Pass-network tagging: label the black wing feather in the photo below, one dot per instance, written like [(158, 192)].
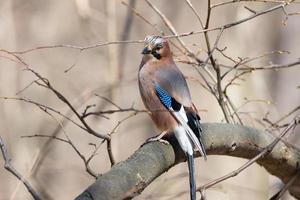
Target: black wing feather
[(194, 124)]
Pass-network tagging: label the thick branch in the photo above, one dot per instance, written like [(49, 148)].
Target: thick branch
[(127, 179)]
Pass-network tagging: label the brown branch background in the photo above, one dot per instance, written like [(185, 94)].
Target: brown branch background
[(70, 106)]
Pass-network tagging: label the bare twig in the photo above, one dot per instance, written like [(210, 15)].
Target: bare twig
[(230, 25), (168, 24), (110, 153), (250, 10), (273, 67), (235, 1), (279, 194), (74, 63), (108, 100), (195, 12), (9, 167), (112, 111), (244, 61), (220, 96), (44, 108), (288, 114), (80, 48), (109, 148), (68, 141), (141, 16), (26, 87), (46, 84)]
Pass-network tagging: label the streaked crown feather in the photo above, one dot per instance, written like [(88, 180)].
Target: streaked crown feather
[(154, 40)]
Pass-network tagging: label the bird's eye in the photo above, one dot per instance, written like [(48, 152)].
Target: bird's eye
[(158, 47)]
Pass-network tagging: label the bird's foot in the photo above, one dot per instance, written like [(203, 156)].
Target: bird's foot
[(158, 138)]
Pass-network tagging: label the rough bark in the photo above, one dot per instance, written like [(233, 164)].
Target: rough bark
[(128, 178)]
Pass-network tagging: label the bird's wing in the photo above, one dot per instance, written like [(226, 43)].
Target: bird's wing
[(182, 119), (171, 80), (179, 113)]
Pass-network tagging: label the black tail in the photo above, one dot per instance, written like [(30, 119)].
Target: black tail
[(192, 179), (194, 124)]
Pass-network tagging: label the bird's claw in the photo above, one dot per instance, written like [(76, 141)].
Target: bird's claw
[(158, 138)]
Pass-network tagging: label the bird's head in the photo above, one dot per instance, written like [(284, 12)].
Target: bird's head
[(157, 47)]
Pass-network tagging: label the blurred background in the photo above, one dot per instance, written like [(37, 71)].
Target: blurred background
[(110, 71)]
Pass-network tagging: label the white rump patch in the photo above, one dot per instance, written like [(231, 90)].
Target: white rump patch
[(183, 140)]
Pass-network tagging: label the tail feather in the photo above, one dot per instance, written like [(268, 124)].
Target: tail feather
[(192, 179)]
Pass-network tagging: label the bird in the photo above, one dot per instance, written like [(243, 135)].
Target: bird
[(165, 93)]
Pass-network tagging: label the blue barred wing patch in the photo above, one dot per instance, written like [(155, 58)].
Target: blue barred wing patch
[(163, 96)]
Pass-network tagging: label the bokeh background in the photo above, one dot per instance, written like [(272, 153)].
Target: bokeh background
[(53, 167)]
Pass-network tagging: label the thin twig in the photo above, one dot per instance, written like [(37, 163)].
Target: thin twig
[(154, 26), (235, 1), (108, 100), (9, 167), (195, 12), (112, 111), (80, 48), (210, 52), (46, 84), (110, 153), (168, 24), (273, 67), (140, 16), (288, 114), (68, 141), (220, 96), (114, 130), (280, 193), (26, 87), (44, 108)]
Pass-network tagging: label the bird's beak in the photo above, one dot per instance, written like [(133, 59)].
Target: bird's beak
[(146, 50)]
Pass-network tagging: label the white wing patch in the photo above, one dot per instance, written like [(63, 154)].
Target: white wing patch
[(182, 113), (181, 117)]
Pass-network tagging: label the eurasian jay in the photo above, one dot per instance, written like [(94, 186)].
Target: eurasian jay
[(166, 95)]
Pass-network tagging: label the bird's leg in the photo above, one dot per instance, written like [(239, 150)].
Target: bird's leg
[(158, 138)]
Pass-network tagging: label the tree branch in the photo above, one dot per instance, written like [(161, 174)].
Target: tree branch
[(9, 167), (129, 178)]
